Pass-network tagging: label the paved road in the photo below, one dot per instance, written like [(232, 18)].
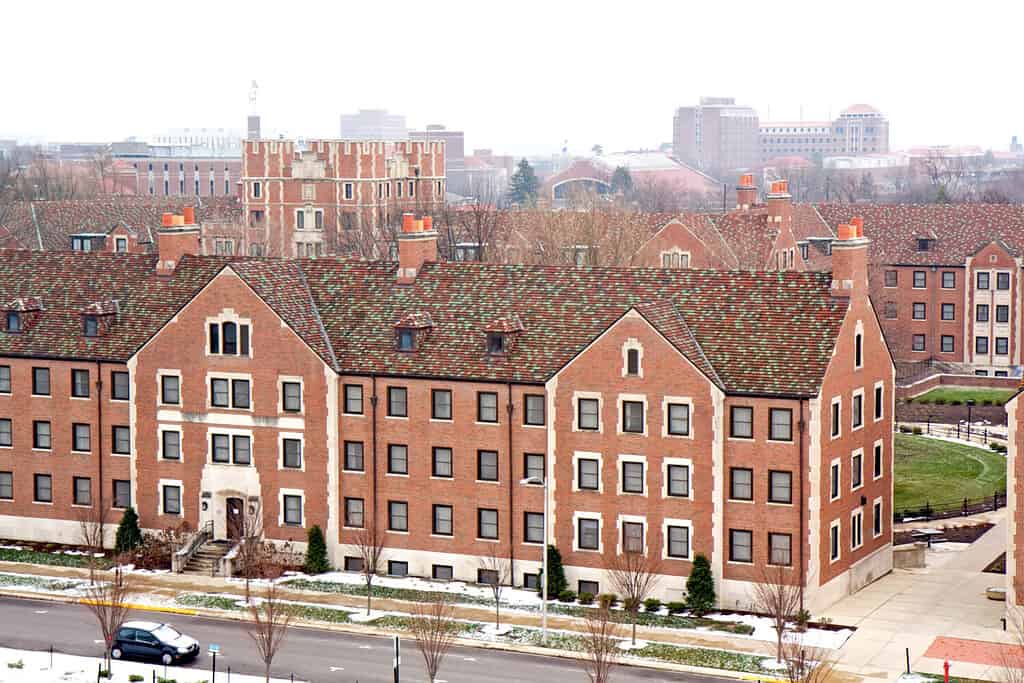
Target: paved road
[(310, 654)]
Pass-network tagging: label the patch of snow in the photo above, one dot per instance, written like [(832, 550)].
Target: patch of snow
[(11, 547), (764, 630), (362, 617), (629, 645), (773, 664), (492, 630)]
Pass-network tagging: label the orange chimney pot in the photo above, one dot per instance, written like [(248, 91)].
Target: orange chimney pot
[(428, 223), (168, 220), (408, 222), (189, 215)]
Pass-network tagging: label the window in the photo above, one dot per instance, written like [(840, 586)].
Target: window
[(291, 453), (981, 344), (592, 587), (948, 279), (354, 513), (292, 509), (588, 534), (920, 279), (678, 419), (632, 477), (533, 409), (398, 459), (919, 311), (406, 339), (442, 462), (122, 493), (170, 444), (119, 386), (533, 527), (241, 450), (80, 438), (981, 313), (741, 483), (90, 326), (171, 500), (496, 343), (834, 482), (229, 339), (221, 444), (240, 393), (879, 403), (741, 545), (398, 515), (780, 549), (949, 311), (588, 474), (40, 381), (741, 422), (442, 520), (6, 486), (291, 397), (633, 362), (348, 190), (441, 404), (858, 410), (983, 280), (678, 542), (833, 538), (877, 469), (678, 480), (1002, 281), (257, 190), (13, 322), (487, 465), (5, 379), (588, 413), (80, 383), (917, 343), (857, 530), (354, 456), (6, 432), (876, 518), (170, 389), (533, 466), (353, 564), (486, 406), (1002, 313), (632, 537), (1002, 346), (42, 490), (41, 435), (781, 424), (487, 523), (82, 490), (398, 402), (947, 343), (780, 487), (857, 471), (300, 219), (398, 568), (891, 310), (354, 399), (892, 278), (219, 394), (442, 572), (633, 417)]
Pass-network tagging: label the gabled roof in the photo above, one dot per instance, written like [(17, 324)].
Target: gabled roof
[(666, 318)]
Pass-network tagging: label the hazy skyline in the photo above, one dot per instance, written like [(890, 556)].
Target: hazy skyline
[(520, 79)]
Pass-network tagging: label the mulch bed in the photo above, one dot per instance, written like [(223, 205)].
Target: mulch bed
[(968, 533), (997, 566)]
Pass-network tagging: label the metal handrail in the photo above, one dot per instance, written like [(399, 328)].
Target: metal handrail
[(185, 554)]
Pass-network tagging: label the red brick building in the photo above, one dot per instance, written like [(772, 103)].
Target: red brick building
[(743, 415)]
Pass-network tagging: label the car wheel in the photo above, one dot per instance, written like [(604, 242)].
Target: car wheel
[(116, 653), (166, 659)]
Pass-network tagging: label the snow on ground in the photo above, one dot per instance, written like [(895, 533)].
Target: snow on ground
[(36, 668), (812, 637)]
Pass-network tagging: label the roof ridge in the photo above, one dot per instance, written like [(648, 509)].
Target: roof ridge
[(316, 314)]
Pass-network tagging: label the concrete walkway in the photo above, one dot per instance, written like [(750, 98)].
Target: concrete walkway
[(910, 608)]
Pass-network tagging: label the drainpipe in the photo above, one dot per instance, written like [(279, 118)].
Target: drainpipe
[(99, 436), (511, 486), (373, 455), (803, 499)]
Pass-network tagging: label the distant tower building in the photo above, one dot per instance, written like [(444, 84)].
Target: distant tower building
[(1015, 146), (454, 154), (373, 124), (253, 123), (716, 136)]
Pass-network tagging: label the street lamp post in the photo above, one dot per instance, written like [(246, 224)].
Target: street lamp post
[(970, 404), (544, 559)]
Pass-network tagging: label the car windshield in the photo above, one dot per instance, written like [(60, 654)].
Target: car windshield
[(166, 633)]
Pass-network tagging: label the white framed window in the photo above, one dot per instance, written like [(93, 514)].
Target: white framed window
[(290, 395), (587, 467), (835, 550), (291, 447), (228, 446), (632, 359), (291, 508), (857, 469), (228, 334), (676, 478), (835, 479), (632, 414), (172, 493), (677, 417), (857, 528), (170, 443), (587, 532), (229, 391), (857, 410), (587, 411), (877, 521), (678, 537), (632, 475), (169, 387)]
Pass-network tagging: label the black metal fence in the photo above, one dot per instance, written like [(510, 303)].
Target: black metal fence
[(948, 509)]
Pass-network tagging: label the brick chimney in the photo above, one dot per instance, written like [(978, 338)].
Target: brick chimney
[(850, 260), (417, 244), (746, 192), (177, 236), (780, 203)]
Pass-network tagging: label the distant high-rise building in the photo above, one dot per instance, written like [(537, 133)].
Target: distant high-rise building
[(716, 136), (373, 124), (859, 129), (454, 154)]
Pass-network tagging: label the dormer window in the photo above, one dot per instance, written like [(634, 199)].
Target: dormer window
[(229, 338), (13, 322), (411, 330), (406, 339), (90, 325), (20, 314), (495, 342), (502, 334), (923, 244), (99, 317)]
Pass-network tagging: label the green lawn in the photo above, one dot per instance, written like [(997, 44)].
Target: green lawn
[(979, 394), (940, 473)]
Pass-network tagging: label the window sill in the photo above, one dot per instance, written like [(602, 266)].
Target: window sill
[(80, 398), (584, 430), (437, 477), (670, 435), (779, 504), (43, 396), (639, 494), (395, 531), (42, 502), (396, 417), (353, 528), (740, 500), (74, 452), (741, 563), (353, 414), (543, 426), (120, 455), (488, 481), (487, 424), (587, 550), (678, 558), (353, 471), (42, 450), (441, 420), (397, 474), (442, 536), (677, 496), (748, 439), (533, 544)]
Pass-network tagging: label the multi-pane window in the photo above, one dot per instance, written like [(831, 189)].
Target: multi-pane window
[(442, 524), (13, 322), (780, 549), (291, 453), (441, 404), (678, 542), (533, 409), (6, 486), (891, 310), (1002, 346), (892, 278), (947, 343), (170, 445), (291, 397), (919, 310), (741, 483), (442, 462), (354, 512), (632, 477), (857, 529), (170, 389), (120, 387), (948, 279), (678, 419), (354, 399), (41, 434), (633, 416), (876, 518), (486, 406), (229, 339), (588, 534), (82, 490), (877, 469), (241, 450), (42, 488), (949, 311), (6, 432), (833, 541), (239, 393), (533, 466), (983, 280), (1002, 313), (81, 437), (5, 379), (1002, 281), (834, 481), (836, 418), (741, 545), (587, 409), (533, 527), (226, 393), (80, 383), (981, 344), (920, 279), (678, 480), (858, 410), (857, 471), (486, 523), (780, 424), (588, 474), (292, 509), (171, 499), (354, 456), (398, 568), (90, 326), (741, 422), (122, 493), (40, 381), (981, 313), (780, 487), (398, 402), (632, 537), (918, 343), (398, 459), (487, 465)]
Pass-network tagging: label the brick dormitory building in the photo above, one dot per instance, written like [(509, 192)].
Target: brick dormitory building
[(743, 415)]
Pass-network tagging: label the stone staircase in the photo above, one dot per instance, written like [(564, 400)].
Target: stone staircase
[(206, 560)]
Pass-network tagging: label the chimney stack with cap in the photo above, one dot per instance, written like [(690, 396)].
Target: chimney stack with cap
[(850, 260), (177, 236), (417, 244), (780, 203), (746, 192)]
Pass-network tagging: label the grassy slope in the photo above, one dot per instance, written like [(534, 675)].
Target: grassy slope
[(942, 472), (979, 394)]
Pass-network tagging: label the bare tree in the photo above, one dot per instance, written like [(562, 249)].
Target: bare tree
[(806, 664), (253, 554), (433, 627), (601, 644), (633, 573), (776, 595), (1011, 662), (271, 619), (496, 571), (92, 523), (108, 601), (369, 546)]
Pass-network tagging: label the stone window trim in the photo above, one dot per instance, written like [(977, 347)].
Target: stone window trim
[(837, 465), (639, 459), (296, 436), (577, 515), (836, 404), (877, 505), (853, 459), (620, 523), (620, 417), (878, 444), (293, 379), (165, 372), (586, 455), (878, 415), (231, 378), (669, 522), (682, 462), (676, 400), (228, 315), (160, 429), (280, 507), (161, 485), (856, 518), (835, 525), (230, 432), (633, 344), (576, 396), (853, 413)]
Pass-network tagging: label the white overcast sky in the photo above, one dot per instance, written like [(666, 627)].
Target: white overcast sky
[(519, 76)]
